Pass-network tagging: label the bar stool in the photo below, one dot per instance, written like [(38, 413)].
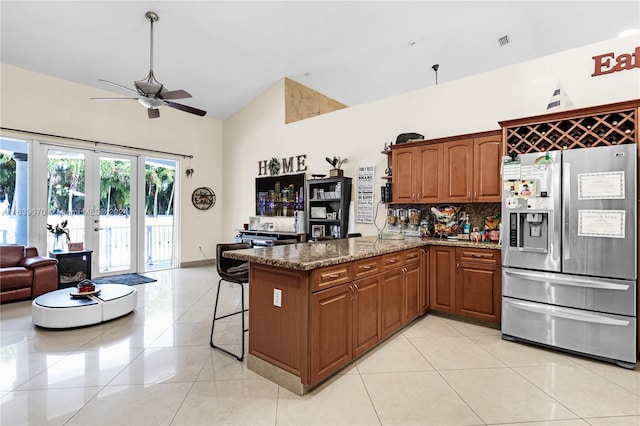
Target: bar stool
[(235, 272)]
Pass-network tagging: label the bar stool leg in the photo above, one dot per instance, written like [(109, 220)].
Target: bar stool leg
[(244, 330), (215, 313), (241, 312)]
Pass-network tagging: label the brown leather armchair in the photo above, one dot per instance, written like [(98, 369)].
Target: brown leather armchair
[(24, 274)]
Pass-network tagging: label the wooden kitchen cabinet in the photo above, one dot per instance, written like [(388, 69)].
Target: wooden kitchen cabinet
[(391, 294), (458, 171), (332, 330), (345, 323), (417, 174), (412, 306), (400, 291), (424, 283), (430, 164), (487, 158), (442, 275), (466, 282), (472, 170), (404, 175), (478, 287), (449, 170), (366, 314)]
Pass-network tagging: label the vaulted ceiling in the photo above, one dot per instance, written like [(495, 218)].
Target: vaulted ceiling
[(225, 53)]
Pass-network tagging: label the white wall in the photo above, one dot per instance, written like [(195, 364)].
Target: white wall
[(473, 104), (40, 103)]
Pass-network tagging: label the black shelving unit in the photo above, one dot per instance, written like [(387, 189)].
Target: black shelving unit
[(328, 206)]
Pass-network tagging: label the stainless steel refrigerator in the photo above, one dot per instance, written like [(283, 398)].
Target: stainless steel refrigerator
[(569, 251)]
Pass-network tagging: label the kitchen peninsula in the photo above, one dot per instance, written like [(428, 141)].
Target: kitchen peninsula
[(315, 307)]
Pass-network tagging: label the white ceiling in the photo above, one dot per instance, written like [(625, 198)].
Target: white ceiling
[(225, 53)]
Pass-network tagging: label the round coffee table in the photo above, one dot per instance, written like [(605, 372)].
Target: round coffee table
[(58, 309)]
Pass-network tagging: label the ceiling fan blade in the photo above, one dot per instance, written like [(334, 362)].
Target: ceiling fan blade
[(174, 94), (153, 112), (114, 99), (118, 85), (185, 108)]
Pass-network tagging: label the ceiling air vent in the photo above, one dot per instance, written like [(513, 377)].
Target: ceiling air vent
[(504, 40)]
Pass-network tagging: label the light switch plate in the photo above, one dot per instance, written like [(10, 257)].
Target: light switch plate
[(277, 297)]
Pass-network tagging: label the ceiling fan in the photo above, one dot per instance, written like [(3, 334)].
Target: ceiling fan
[(150, 92)]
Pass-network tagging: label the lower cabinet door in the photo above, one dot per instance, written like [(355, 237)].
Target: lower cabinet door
[(391, 295), (479, 291), (366, 314), (332, 331), (442, 277), (412, 305)]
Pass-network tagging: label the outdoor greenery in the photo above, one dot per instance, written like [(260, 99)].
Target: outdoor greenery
[(7, 177), (66, 186)]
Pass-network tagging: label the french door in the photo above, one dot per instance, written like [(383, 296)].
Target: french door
[(96, 193)]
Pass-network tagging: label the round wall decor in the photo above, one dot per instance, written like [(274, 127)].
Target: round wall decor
[(203, 198)]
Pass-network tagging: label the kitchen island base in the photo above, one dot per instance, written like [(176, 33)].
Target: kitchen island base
[(317, 307), (277, 375)]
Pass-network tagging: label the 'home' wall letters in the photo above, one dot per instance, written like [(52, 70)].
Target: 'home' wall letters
[(287, 165)]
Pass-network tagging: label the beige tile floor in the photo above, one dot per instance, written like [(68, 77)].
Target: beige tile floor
[(155, 367)]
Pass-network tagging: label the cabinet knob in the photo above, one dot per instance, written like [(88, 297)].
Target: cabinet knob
[(334, 275), (367, 267)]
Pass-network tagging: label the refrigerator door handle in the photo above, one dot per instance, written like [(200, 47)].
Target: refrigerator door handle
[(566, 197), (569, 281), (555, 311)]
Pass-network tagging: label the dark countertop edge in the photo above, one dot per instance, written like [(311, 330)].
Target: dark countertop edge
[(262, 259)]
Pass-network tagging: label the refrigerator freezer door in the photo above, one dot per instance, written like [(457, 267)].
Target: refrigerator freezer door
[(599, 211), (574, 291), (592, 333)]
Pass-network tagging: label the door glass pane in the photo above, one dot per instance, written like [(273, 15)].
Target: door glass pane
[(159, 202), (115, 214), (14, 181), (65, 195)]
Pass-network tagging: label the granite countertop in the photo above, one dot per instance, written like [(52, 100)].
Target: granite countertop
[(307, 256)]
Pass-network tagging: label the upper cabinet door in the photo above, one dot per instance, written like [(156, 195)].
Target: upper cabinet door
[(404, 175), (458, 171), (487, 157), (430, 174)]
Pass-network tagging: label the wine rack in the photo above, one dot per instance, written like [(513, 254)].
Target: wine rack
[(587, 128)]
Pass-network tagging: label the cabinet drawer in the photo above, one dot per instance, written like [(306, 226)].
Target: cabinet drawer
[(330, 276), (412, 255), (392, 260), (477, 255), (366, 267)]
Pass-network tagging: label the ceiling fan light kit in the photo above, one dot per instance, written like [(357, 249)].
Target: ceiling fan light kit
[(150, 92)]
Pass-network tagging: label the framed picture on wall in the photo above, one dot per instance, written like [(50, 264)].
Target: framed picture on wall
[(317, 230)]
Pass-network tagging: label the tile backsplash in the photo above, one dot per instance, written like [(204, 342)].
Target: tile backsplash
[(477, 212)]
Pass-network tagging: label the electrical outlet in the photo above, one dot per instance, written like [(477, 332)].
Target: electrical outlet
[(277, 297)]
